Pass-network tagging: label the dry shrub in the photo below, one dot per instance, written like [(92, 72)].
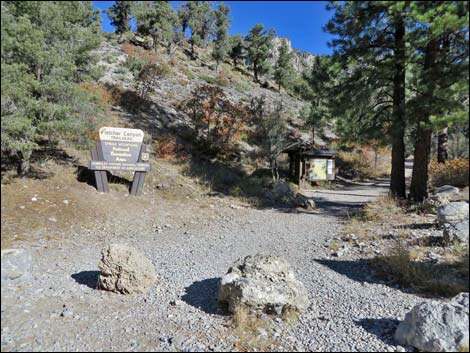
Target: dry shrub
[(248, 327), (223, 79), (453, 172), (149, 77), (385, 209), (218, 121), (104, 96), (364, 163), (401, 266), (167, 148)]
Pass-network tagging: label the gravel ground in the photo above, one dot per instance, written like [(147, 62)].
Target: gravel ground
[(61, 310)]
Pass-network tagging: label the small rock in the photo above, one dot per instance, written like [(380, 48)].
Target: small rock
[(125, 270), (66, 202), (34, 199), (66, 312), (16, 266)]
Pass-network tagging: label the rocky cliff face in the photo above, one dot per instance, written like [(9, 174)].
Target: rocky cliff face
[(302, 60)]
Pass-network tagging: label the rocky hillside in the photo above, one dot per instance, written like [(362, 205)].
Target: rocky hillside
[(183, 76), (302, 60)]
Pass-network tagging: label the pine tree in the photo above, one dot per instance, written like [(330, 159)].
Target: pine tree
[(283, 69), (159, 20), (237, 49), (320, 80), (120, 15), (200, 21), (45, 52), (259, 46), (183, 15), (221, 41), (372, 50), (440, 37)]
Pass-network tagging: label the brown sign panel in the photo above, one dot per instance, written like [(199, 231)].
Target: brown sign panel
[(120, 150), (121, 145)]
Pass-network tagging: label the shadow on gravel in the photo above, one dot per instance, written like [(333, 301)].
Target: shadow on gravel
[(383, 328), (203, 295), (88, 278), (357, 270)]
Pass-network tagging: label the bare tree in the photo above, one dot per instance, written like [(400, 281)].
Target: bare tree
[(272, 128)]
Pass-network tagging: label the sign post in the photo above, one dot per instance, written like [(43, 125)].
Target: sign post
[(120, 149)]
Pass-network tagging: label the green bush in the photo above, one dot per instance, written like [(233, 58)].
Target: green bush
[(41, 71), (121, 70), (135, 64)]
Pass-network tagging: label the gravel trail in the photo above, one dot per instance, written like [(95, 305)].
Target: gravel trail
[(61, 310)]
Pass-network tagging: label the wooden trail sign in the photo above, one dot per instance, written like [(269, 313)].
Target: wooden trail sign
[(120, 149)]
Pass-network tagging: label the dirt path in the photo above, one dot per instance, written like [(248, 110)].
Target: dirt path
[(350, 310)]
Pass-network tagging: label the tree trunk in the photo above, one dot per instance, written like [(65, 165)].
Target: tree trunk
[(255, 71), (397, 182), (442, 146), (422, 153), (313, 136)]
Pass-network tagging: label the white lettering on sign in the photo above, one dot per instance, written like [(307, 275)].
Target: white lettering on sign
[(121, 134)]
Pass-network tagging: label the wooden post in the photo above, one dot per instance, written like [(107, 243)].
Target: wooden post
[(300, 171), (104, 176), (139, 177), (100, 175)]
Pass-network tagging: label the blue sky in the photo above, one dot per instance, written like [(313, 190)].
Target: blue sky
[(300, 21)]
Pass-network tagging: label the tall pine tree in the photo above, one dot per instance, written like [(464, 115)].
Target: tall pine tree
[(283, 69), (120, 16), (159, 20), (221, 40), (237, 49), (372, 49), (440, 40), (259, 46)]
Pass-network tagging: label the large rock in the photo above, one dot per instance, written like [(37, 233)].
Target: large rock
[(262, 283), (16, 266), (436, 326), (456, 233), (281, 192), (125, 270), (453, 213), (447, 190)]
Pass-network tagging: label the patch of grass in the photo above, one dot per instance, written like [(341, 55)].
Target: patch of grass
[(255, 330), (209, 79), (120, 70), (110, 59), (334, 246), (385, 209), (249, 186), (444, 278)]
